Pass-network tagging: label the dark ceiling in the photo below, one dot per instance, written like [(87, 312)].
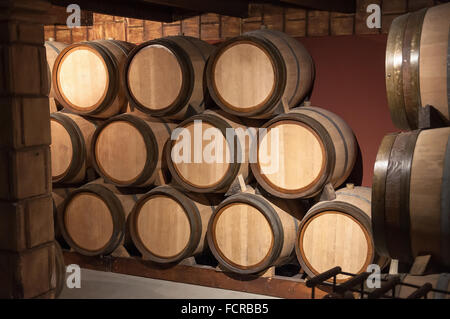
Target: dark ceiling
[(172, 10)]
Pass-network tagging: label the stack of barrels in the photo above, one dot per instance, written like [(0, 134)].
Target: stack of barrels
[(411, 184), (175, 146)]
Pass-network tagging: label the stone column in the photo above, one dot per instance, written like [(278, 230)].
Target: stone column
[(27, 251)]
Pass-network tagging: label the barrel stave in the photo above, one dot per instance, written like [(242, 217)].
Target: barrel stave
[(343, 223)]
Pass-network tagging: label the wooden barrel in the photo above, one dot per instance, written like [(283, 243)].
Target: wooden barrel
[(87, 77), (52, 50), (252, 74), (59, 271), (59, 195), (168, 226), (71, 147), (338, 233), (128, 149), (94, 217), (438, 281), (164, 77), (302, 151), (411, 196), (417, 64), (202, 159), (249, 233)]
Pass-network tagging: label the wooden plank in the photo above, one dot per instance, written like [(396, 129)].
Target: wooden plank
[(295, 14), (318, 23), (79, 34), (231, 27), (93, 263), (273, 17), (135, 34), (171, 29), (115, 30), (277, 286), (152, 30), (394, 6), (209, 31), (342, 25), (191, 27), (63, 35), (296, 28), (99, 18)]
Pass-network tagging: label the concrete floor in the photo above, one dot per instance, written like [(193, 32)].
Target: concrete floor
[(104, 285)]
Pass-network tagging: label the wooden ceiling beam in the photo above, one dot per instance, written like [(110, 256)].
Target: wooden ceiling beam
[(131, 9), (344, 6), (234, 8)]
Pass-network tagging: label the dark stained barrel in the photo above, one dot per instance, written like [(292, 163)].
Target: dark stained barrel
[(417, 64), (411, 196)]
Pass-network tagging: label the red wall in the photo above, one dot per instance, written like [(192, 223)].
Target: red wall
[(350, 82)]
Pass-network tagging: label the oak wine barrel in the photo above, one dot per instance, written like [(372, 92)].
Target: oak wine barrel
[(309, 148), (87, 77), (338, 233), (52, 50), (249, 233), (93, 219), (71, 147), (164, 77), (418, 64), (437, 281), (168, 226), (59, 195), (194, 157), (411, 196), (128, 150), (250, 75)]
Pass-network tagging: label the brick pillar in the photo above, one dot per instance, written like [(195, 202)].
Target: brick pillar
[(27, 252)]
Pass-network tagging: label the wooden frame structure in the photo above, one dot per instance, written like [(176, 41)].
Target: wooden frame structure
[(276, 286)]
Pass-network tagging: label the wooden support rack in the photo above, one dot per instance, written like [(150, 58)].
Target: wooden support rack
[(276, 286)]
